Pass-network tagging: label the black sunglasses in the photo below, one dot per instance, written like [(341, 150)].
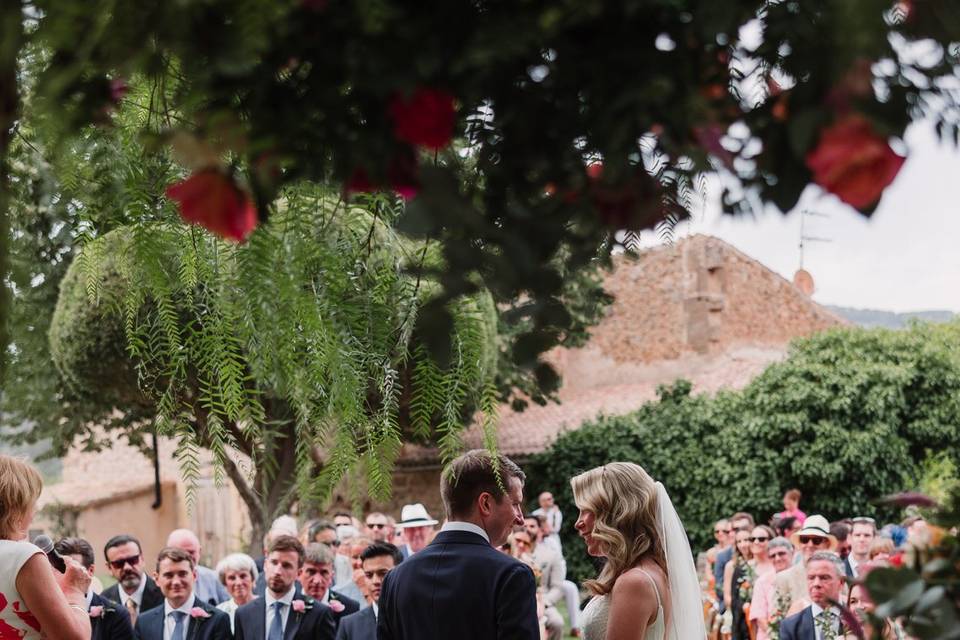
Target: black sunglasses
[(119, 563), (759, 539), (814, 540), (376, 526)]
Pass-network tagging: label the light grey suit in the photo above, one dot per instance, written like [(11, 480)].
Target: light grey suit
[(208, 587), (553, 571)]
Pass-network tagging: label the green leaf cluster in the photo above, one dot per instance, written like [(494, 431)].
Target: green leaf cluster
[(849, 416)]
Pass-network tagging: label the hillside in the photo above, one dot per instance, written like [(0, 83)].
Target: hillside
[(889, 319)]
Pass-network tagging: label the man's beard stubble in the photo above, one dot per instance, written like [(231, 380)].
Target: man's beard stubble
[(130, 581)]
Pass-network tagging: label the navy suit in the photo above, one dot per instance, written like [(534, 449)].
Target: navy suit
[(459, 587), (113, 623), (315, 623), (358, 626), (349, 605), (799, 626), (216, 627), (152, 596)]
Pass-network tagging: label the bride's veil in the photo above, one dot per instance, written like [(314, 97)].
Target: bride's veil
[(686, 621)]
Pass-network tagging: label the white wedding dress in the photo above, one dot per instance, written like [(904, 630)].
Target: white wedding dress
[(597, 612), (687, 603)]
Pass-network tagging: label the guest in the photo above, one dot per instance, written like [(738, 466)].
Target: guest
[(737, 573), (208, 584), (821, 619), (554, 518), (316, 576), (260, 585), (270, 617), (238, 573), (553, 572), (417, 527), (35, 601), (860, 603), (762, 605), (378, 527), (134, 590), (863, 533), (377, 560), (881, 550), (739, 521), (108, 620), (791, 585), (791, 507), (343, 519), (183, 614)]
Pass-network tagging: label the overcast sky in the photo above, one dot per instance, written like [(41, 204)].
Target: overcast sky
[(905, 258)]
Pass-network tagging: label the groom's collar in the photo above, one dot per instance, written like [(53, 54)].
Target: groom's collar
[(469, 527)]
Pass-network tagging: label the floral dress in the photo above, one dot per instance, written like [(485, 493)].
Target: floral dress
[(744, 575)]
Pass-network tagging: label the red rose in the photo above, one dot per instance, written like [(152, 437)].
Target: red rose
[(425, 118), (214, 201), (853, 162)]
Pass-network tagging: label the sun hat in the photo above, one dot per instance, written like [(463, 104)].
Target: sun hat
[(415, 515), (815, 526)]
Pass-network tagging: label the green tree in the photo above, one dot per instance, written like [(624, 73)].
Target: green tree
[(850, 416)]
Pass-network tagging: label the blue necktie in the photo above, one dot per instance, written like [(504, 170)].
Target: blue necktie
[(178, 618), (276, 627)]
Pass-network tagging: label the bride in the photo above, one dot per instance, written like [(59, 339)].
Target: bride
[(648, 588)]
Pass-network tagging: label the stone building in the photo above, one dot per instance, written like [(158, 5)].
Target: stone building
[(699, 310)]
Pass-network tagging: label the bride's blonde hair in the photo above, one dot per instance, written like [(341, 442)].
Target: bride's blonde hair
[(623, 498)]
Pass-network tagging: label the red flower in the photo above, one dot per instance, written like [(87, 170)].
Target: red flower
[(425, 118), (401, 176), (853, 162), (214, 201)]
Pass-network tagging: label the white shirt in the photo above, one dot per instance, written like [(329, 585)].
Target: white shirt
[(815, 609), (169, 621), (854, 565), (136, 596), (287, 599), (376, 611), (465, 526)]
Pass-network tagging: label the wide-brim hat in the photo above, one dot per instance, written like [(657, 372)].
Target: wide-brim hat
[(815, 526), (415, 515)]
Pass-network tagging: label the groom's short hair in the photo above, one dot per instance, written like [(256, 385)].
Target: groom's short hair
[(473, 473)]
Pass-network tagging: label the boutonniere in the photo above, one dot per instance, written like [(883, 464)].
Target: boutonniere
[(335, 605), (96, 612), (301, 606), (199, 612)]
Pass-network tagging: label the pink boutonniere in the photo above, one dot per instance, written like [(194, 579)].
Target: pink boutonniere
[(299, 606), (96, 612), (336, 606), (198, 612)]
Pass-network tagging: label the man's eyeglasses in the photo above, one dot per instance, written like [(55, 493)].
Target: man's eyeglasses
[(723, 530), (374, 525), (759, 539), (120, 563), (814, 540), (332, 543)]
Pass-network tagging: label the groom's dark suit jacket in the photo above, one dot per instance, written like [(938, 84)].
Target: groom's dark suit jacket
[(217, 627), (315, 623), (799, 626), (459, 587)]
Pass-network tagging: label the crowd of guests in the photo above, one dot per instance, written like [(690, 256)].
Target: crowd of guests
[(784, 580)]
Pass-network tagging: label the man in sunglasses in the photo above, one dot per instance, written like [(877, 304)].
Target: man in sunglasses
[(134, 589), (378, 527), (791, 585)]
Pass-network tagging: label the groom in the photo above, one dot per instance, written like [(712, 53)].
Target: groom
[(460, 586)]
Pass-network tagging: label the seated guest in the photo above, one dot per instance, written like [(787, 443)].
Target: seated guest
[(316, 576), (183, 615), (208, 584), (134, 590), (283, 613), (108, 620), (237, 572), (376, 560)]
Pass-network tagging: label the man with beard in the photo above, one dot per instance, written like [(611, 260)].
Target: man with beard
[(283, 613), (108, 620), (135, 590)]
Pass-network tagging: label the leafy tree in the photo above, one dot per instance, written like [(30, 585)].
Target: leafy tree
[(850, 416)]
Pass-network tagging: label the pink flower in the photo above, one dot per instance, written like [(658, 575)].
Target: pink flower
[(96, 612), (299, 606), (425, 118), (198, 612), (336, 606), (214, 201)]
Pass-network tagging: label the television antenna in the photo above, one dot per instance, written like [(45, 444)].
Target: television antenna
[(802, 278)]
